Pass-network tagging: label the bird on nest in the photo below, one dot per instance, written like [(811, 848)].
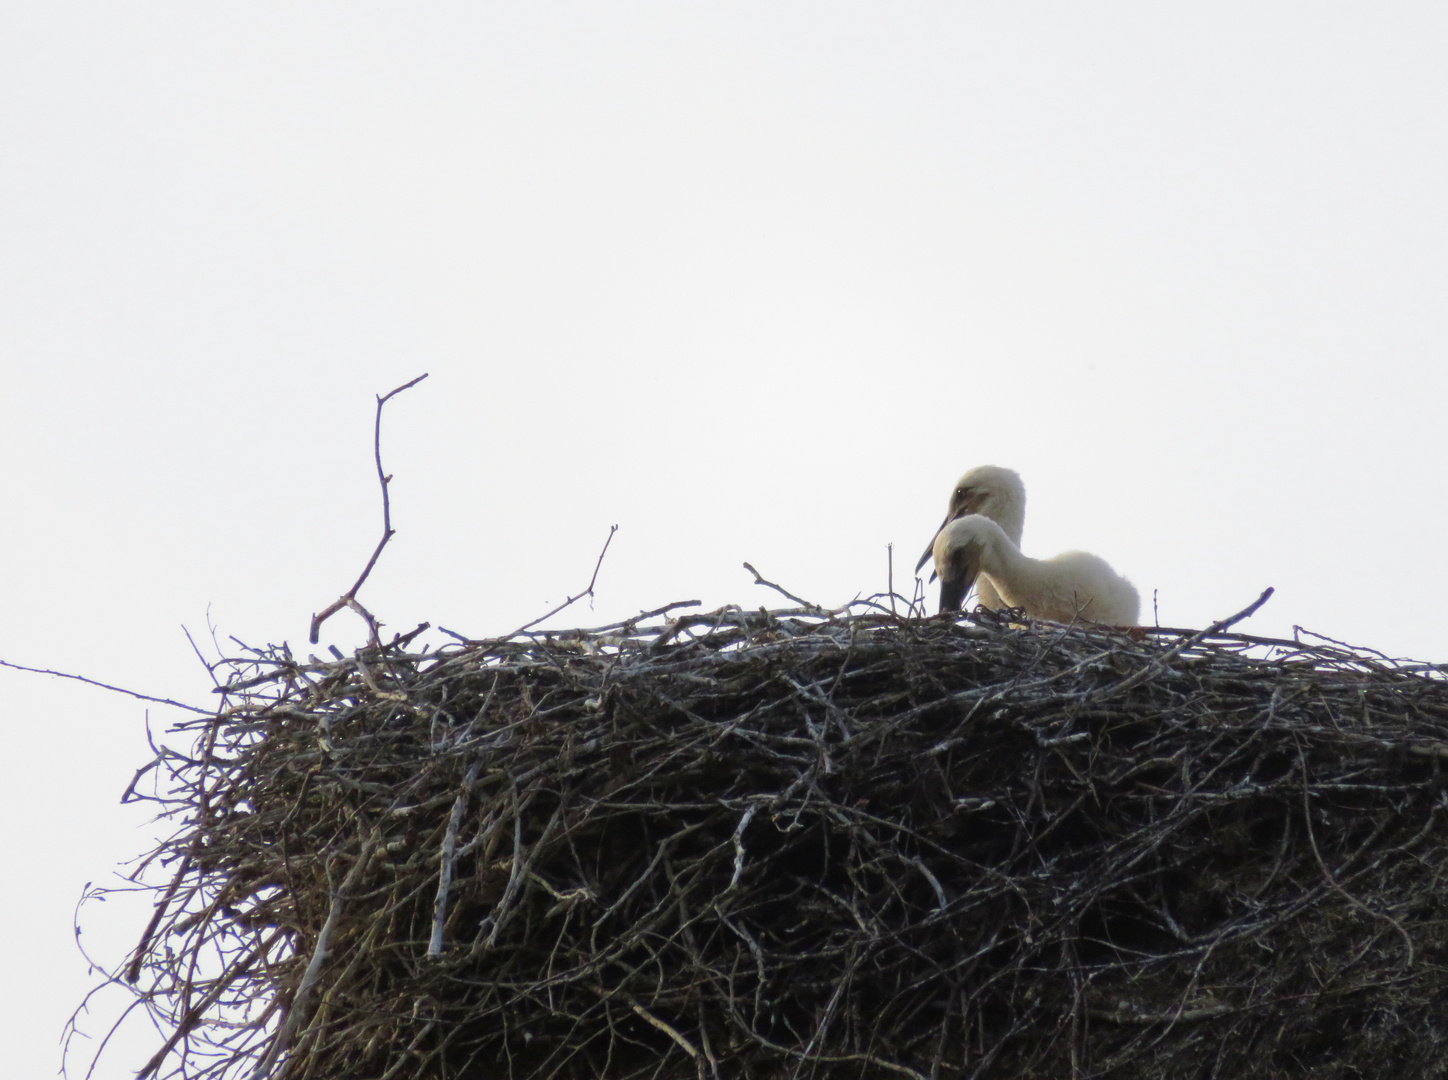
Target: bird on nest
[(979, 544)]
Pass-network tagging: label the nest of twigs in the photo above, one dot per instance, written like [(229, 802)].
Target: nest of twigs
[(804, 844)]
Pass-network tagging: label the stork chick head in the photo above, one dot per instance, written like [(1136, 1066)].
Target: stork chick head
[(990, 491), (958, 549)]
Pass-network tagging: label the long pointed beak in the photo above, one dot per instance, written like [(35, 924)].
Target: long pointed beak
[(930, 548)]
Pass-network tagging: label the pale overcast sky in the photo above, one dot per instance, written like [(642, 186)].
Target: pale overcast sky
[(751, 280)]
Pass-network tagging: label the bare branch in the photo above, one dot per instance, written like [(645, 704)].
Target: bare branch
[(781, 590), (572, 599), (1151, 670), (106, 686), (297, 1008), (349, 598), (449, 849)]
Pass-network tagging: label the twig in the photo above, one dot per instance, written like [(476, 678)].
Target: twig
[(890, 575), (406, 1059), (758, 580), (626, 625), (634, 620), (402, 641), (671, 1032), (515, 867), (160, 757), (1128, 1013), (934, 882), (1154, 668), (209, 669), (1322, 863), (314, 966), (107, 686), (449, 847), (739, 846), (349, 598), (197, 1011), (133, 972), (668, 1029), (572, 599)]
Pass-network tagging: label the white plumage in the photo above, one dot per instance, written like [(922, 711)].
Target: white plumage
[(992, 492), (1067, 588)]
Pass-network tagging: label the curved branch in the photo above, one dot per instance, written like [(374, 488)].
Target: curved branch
[(349, 598)]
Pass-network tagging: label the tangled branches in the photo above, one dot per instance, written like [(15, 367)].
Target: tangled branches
[(796, 843)]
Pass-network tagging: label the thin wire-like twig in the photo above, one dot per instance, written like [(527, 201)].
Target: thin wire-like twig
[(592, 581), (105, 686)]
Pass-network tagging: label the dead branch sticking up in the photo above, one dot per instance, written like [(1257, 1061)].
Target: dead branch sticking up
[(349, 598)]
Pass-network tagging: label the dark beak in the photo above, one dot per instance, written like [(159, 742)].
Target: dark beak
[(952, 593), (957, 576), (930, 548)]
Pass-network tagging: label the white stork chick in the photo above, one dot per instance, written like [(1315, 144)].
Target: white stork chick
[(1071, 587), (992, 492)]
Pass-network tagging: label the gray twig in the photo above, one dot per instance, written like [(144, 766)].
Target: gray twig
[(759, 580), (449, 846), (572, 599)]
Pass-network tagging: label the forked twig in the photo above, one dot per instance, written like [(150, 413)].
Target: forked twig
[(759, 580), (349, 598), (572, 599)]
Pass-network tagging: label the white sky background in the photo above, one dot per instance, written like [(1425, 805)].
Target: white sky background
[(751, 280)]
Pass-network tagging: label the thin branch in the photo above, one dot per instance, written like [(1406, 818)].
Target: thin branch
[(133, 972), (234, 971), (668, 1030), (1154, 668), (1322, 863), (106, 686), (209, 669), (314, 965), (1127, 1013), (349, 598), (626, 625), (572, 599), (890, 574), (449, 850), (1233, 620), (758, 580)]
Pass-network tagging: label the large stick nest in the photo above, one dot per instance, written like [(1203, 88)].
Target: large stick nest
[(754, 844)]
